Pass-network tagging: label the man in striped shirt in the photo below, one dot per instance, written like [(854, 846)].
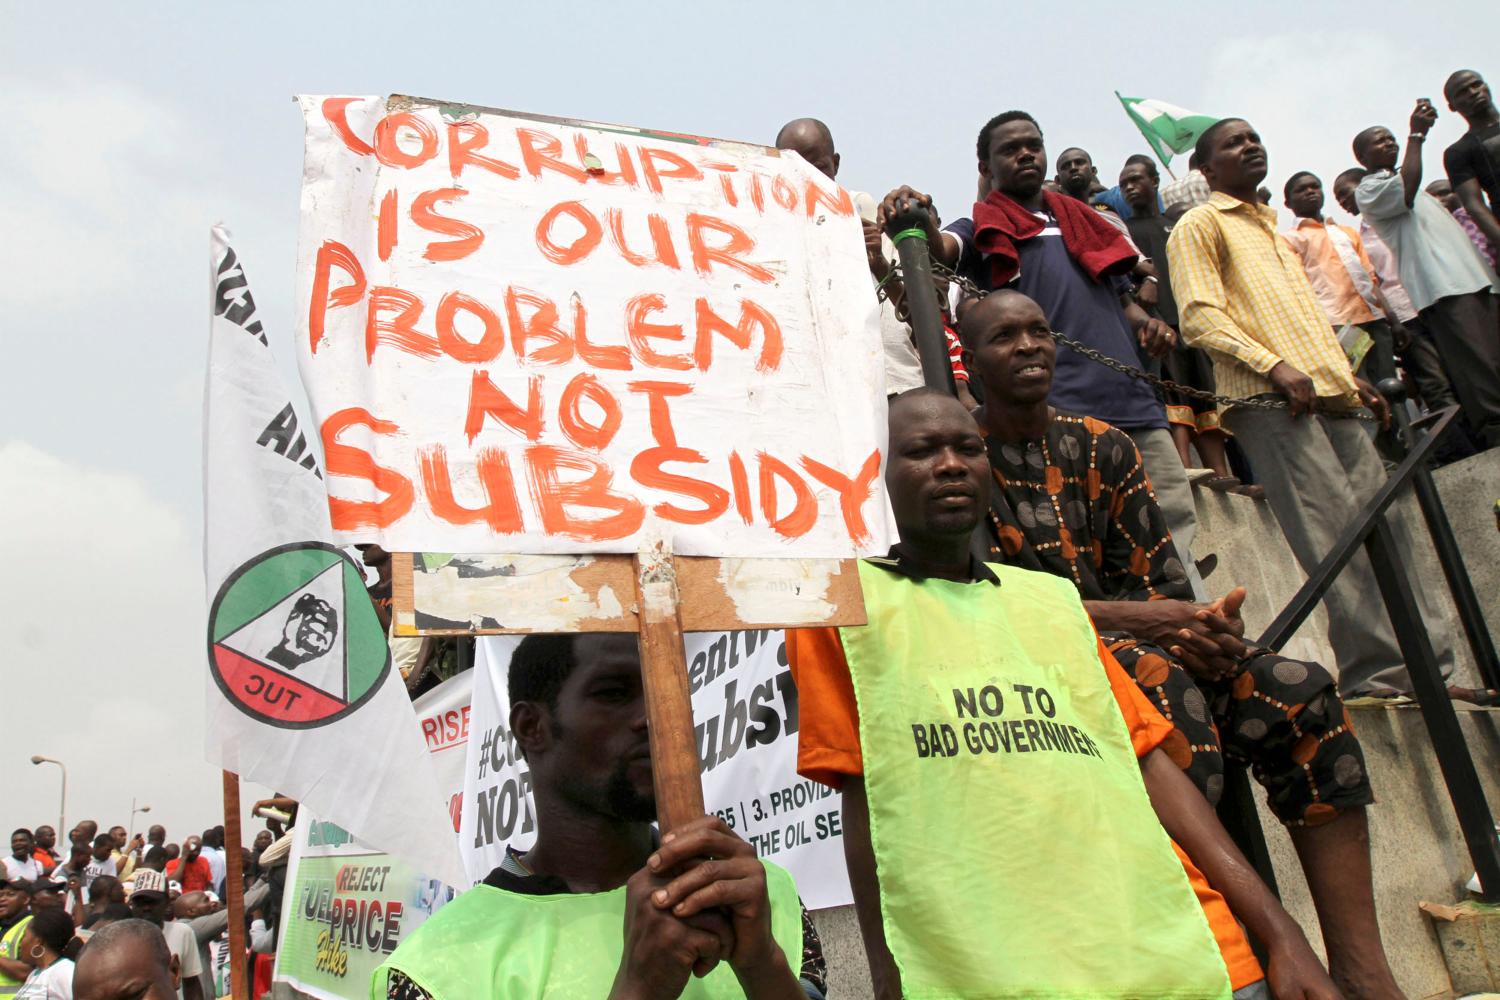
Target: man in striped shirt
[(1243, 296)]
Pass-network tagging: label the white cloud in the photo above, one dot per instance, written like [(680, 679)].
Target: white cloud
[(104, 650), (107, 181)]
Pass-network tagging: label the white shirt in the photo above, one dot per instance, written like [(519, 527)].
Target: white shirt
[(93, 870), (184, 944), (1433, 253), (903, 370), (55, 982), (29, 870), (216, 865), (1386, 270)]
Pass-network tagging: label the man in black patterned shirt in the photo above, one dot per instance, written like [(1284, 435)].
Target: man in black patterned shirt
[(1073, 499)]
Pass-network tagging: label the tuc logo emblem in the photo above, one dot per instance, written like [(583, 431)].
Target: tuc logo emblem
[(293, 639)]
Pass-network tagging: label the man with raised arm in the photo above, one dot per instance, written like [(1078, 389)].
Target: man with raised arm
[(1420, 356), (1008, 815), (597, 907), (1451, 285), (1244, 298)]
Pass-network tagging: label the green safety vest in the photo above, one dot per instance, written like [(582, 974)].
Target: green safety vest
[(498, 945), (1017, 851), (10, 947)]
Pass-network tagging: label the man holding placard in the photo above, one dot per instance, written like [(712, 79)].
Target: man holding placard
[(1047, 872), (597, 907)]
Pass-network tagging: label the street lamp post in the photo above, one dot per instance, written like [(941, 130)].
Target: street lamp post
[(62, 809), (133, 811)]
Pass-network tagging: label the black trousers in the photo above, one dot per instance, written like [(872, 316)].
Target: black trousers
[(1467, 331)]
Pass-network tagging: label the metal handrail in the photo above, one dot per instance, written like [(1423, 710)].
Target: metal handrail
[(1371, 530)]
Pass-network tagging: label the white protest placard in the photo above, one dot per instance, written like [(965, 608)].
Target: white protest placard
[(535, 335), (745, 715)]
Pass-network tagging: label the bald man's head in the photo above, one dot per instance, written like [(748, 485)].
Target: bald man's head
[(126, 959), (1010, 349), (937, 471), (811, 140), (191, 905)]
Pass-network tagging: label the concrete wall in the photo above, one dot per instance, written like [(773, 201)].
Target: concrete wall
[(1418, 851)]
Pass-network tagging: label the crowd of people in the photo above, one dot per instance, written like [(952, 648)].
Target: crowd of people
[(134, 906), (1029, 739)]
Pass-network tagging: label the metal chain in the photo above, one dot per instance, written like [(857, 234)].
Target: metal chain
[(942, 272)]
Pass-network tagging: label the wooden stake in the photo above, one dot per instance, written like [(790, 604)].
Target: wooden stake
[(664, 676), (234, 890)]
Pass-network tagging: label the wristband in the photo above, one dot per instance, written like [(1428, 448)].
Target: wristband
[(1417, 137), (1151, 278)]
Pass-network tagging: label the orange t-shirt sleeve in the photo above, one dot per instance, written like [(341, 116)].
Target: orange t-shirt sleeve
[(1148, 727), (828, 716)]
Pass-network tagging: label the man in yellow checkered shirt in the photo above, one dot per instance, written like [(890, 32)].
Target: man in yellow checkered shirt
[(1243, 296)]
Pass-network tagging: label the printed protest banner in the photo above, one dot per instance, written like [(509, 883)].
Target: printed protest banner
[(346, 906), (443, 720), (745, 715), (528, 335), (300, 692)]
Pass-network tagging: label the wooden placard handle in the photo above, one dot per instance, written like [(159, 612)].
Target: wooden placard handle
[(664, 676), (234, 889)]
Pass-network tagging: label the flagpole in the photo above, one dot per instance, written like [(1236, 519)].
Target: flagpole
[(234, 890)]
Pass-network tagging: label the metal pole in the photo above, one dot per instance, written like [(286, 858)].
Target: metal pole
[(908, 229), (1459, 773), (62, 808), (1449, 557)]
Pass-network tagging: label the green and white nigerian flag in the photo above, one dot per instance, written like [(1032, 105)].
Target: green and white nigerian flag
[(301, 694), (1168, 128)]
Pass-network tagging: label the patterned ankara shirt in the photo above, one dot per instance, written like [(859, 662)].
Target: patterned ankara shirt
[(1243, 296), (1077, 504)]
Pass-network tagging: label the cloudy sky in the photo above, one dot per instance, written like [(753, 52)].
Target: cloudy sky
[(131, 128)]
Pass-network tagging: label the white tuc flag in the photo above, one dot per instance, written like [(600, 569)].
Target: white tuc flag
[(301, 694)]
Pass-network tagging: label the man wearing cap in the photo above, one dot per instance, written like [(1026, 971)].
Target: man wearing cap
[(47, 894), (149, 901)]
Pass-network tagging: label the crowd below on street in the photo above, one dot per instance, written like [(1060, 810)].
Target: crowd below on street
[(166, 900)]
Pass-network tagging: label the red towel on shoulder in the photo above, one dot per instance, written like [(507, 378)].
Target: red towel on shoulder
[(999, 222)]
